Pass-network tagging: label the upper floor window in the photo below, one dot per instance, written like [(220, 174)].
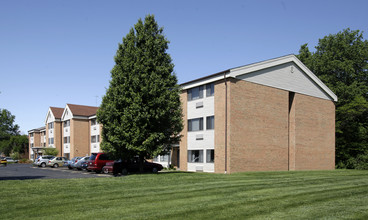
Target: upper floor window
[(210, 89), (51, 125), (195, 124), (210, 122), (67, 140), (93, 121), (31, 135), (195, 93), (66, 123)]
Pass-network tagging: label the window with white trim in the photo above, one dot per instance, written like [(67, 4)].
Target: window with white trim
[(195, 156), (195, 124)]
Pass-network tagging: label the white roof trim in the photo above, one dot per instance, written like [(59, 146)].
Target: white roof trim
[(66, 109), (206, 81), (48, 113)]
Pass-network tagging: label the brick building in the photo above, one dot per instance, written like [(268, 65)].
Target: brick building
[(72, 130), (271, 115)]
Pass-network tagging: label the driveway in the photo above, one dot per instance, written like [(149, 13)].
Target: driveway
[(28, 171)]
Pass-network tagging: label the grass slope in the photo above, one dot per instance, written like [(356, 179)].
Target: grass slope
[(260, 195)]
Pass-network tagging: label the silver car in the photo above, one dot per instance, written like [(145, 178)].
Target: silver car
[(80, 162), (42, 161)]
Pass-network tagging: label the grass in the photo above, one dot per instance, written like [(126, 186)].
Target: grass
[(339, 194)]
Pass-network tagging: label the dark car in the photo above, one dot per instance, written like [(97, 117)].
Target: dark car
[(131, 166), (97, 161)]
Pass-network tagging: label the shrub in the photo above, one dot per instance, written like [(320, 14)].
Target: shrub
[(51, 151)]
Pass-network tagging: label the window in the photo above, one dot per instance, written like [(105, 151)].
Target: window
[(94, 138), (44, 144), (210, 122), (210, 157), (66, 123), (94, 122), (195, 124), (195, 93), (67, 140), (51, 140), (51, 125), (31, 135), (210, 90), (98, 138), (31, 145), (195, 156)]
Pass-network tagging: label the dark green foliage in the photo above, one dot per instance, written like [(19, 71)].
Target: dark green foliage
[(10, 140), (341, 62), (7, 126), (51, 151), (141, 111)]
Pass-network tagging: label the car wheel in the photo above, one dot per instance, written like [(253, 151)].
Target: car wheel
[(70, 168), (105, 171), (79, 168), (56, 165), (154, 170), (43, 165), (124, 171)]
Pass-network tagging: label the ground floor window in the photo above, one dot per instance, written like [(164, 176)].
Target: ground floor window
[(67, 155), (195, 156), (210, 157)]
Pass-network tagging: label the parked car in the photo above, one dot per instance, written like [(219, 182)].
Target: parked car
[(57, 162), (97, 161), (11, 160), (3, 161), (72, 162), (85, 165), (42, 161), (108, 168), (131, 166), (79, 163)]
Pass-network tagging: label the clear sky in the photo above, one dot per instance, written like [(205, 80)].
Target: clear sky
[(58, 52)]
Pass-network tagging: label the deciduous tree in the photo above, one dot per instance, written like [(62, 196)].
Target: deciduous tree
[(341, 62)]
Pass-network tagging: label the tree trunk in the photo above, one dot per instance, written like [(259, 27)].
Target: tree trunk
[(141, 161)]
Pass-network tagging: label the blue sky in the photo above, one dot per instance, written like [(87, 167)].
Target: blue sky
[(58, 52)]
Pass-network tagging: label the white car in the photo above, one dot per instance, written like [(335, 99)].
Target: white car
[(42, 161), (11, 160)]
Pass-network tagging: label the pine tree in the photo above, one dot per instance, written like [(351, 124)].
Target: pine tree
[(141, 111)]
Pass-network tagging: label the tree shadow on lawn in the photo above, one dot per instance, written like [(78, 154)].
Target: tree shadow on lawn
[(159, 173), (21, 177)]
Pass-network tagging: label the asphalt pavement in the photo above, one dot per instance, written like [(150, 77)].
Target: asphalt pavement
[(28, 171)]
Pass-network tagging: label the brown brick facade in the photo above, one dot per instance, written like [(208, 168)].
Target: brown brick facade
[(79, 137), (258, 127), (268, 129), (184, 133)]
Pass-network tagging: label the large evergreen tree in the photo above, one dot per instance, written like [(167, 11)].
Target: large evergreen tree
[(141, 110), (341, 62)]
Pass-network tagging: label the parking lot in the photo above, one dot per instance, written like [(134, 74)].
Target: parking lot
[(28, 171)]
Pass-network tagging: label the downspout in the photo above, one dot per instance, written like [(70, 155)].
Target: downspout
[(225, 122), (62, 138)]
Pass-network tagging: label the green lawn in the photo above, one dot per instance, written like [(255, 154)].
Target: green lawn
[(278, 195)]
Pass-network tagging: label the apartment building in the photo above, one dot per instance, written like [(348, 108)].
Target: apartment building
[(81, 132), (271, 115), (53, 128), (37, 141)]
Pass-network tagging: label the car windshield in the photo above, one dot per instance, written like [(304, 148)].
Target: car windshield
[(51, 158), (93, 157)]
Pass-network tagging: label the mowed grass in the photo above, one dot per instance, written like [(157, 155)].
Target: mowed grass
[(261, 195)]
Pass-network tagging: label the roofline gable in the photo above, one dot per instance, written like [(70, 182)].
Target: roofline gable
[(242, 70)]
